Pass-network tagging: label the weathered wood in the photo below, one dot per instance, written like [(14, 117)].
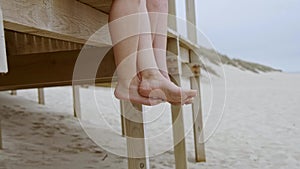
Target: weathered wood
[(76, 101), (68, 20), (1, 144), (41, 96), (122, 110), (57, 68), (172, 23), (191, 18), (177, 116), (101, 5), (136, 144), (23, 43), (197, 113), (3, 57), (13, 92)]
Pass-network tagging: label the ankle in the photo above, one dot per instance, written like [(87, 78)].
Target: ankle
[(150, 73)]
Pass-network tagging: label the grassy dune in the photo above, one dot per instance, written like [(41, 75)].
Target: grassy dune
[(217, 58)]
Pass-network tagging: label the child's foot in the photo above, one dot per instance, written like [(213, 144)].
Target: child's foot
[(128, 90), (154, 85)]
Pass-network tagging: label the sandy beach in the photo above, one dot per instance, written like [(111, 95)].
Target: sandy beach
[(258, 129)]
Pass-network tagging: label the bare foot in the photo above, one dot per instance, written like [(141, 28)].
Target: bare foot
[(128, 90), (153, 84)]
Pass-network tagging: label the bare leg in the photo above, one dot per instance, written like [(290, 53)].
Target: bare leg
[(158, 14), (125, 50), (153, 83)]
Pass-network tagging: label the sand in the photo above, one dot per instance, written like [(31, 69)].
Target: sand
[(258, 129)]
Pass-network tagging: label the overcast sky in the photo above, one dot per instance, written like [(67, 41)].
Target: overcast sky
[(262, 31)]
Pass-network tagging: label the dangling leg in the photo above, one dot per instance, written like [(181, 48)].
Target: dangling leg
[(158, 14), (124, 15), (153, 83)]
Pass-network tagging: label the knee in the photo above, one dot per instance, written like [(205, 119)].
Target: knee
[(158, 5)]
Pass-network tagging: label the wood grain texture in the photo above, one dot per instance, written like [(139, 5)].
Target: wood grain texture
[(136, 143), (101, 5), (3, 57), (191, 18), (68, 20), (24, 43), (177, 116), (197, 114), (178, 133), (57, 68)]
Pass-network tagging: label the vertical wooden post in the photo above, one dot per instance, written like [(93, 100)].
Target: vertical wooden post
[(179, 137), (76, 101), (13, 92), (177, 116), (1, 145), (122, 109), (136, 144), (195, 83), (197, 110), (3, 57), (41, 96), (191, 18), (172, 21)]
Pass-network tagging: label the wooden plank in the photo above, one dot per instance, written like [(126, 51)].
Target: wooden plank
[(136, 143), (3, 57), (173, 63), (195, 84), (41, 96), (177, 116), (101, 5), (76, 101), (1, 144), (178, 136), (197, 111), (68, 20), (24, 43), (172, 23), (184, 54), (191, 18), (57, 68), (13, 92), (122, 110)]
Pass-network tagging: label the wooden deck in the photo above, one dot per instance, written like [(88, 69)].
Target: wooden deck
[(45, 39)]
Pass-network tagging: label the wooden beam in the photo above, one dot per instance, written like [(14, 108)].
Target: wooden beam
[(57, 68), (101, 5), (177, 116), (41, 96), (191, 18), (76, 101), (1, 144), (172, 21), (13, 92), (3, 57), (122, 110), (136, 143), (197, 113), (24, 43), (67, 20)]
